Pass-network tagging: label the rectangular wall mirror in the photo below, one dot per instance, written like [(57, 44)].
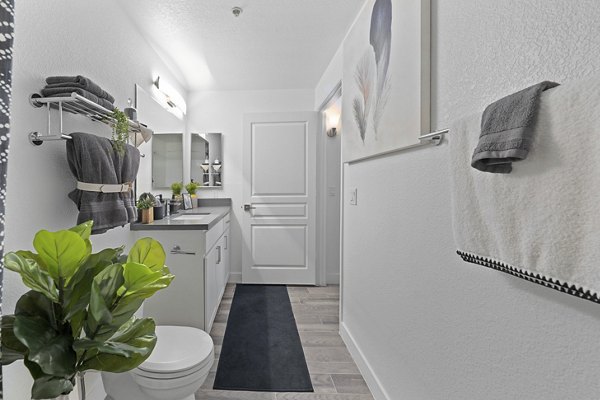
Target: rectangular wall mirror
[(167, 159), (164, 161), (206, 165)]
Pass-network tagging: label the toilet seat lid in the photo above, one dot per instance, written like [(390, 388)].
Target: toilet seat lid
[(178, 348)]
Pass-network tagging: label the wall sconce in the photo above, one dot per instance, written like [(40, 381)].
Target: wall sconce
[(172, 100), (333, 120)]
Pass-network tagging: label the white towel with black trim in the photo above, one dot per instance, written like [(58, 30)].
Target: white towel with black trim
[(541, 222)]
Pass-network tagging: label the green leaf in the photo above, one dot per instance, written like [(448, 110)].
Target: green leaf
[(34, 304), (29, 255), (32, 275), (136, 339), (123, 312), (12, 348), (50, 350), (115, 348), (142, 282), (77, 292), (63, 252), (149, 252), (47, 386), (104, 294), (83, 230)]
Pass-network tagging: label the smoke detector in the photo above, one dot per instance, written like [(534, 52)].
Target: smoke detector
[(237, 11)]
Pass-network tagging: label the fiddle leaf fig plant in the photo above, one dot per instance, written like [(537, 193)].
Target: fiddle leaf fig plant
[(79, 313)]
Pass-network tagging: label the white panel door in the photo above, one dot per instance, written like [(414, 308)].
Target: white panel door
[(279, 198)]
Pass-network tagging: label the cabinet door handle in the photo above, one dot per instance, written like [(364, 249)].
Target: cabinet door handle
[(219, 254), (226, 242), (177, 250)]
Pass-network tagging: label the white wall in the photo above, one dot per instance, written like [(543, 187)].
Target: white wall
[(223, 112), (429, 326), (62, 37)]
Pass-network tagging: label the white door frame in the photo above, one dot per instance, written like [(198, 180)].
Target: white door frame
[(322, 190)]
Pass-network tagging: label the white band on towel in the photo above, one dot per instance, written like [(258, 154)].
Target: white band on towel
[(104, 188)]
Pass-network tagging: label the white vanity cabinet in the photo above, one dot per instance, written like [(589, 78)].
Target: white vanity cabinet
[(200, 262)]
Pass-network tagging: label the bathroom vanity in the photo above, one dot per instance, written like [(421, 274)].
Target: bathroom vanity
[(197, 243)]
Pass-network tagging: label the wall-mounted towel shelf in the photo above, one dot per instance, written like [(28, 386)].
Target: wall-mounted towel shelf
[(429, 139), (74, 104)]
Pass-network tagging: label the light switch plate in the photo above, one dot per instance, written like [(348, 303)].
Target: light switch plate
[(354, 197)]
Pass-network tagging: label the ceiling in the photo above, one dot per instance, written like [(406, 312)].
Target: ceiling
[(274, 44)]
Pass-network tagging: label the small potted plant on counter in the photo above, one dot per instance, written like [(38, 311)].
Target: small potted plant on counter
[(146, 206), (191, 189), (160, 208), (176, 188), (143, 203), (79, 313), (175, 203)]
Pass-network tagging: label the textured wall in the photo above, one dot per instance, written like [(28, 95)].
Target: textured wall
[(429, 325), (62, 37)]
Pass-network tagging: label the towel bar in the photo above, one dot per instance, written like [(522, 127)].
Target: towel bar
[(36, 139), (429, 139)]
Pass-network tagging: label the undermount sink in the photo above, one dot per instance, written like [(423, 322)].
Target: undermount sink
[(192, 217)]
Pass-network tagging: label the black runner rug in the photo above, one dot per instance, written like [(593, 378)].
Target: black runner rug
[(261, 349)]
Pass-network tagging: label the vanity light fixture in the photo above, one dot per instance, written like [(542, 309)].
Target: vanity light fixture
[(172, 100), (237, 11), (333, 120)]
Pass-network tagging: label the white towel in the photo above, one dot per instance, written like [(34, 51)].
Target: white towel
[(541, 222)]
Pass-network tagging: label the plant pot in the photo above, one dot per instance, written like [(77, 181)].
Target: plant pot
[(174, 207), (160, 211), (148, 216)]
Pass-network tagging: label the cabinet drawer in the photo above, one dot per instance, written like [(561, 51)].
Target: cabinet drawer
[(213, 235), (217, 231)]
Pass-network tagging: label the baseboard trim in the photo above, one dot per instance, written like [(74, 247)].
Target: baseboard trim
[(363, 365), (235, 277)]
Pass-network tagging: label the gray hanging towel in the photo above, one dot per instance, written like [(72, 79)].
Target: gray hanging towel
[(507, 130), (93, 160)]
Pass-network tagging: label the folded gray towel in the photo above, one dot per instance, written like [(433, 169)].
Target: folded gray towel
[(82, 83), (507, 129), (93, 159), (66, 92)]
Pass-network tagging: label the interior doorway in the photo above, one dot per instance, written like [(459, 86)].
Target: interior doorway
[(330, 189)]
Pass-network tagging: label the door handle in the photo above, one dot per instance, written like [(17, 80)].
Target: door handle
[(226, 242), (177, 250), (248, 207), (219, 254)]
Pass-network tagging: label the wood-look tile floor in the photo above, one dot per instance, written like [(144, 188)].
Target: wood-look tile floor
[(332, 370)]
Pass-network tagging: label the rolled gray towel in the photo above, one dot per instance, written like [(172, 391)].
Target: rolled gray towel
[(507, 130), (66, 92), (80, 82)]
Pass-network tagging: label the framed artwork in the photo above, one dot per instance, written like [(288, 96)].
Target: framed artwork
[(386, 100), (187, 201)]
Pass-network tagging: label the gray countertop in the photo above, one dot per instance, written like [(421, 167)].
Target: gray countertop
[(214, 210)]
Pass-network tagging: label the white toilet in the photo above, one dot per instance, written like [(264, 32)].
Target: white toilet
[(175, 370)]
